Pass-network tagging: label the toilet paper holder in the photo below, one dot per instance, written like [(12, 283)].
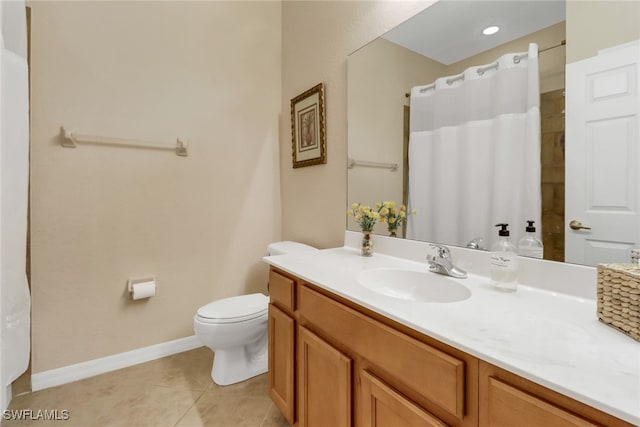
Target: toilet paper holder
[(144, 282)]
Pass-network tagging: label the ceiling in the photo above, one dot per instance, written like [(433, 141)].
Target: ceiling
[(451, 30)]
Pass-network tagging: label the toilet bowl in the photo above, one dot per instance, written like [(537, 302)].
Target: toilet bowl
[(235, 329)]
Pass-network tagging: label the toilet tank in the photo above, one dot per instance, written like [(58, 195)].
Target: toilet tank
[(288, 247)]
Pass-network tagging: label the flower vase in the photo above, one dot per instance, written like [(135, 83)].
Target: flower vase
[(392, 233), (367, 243)]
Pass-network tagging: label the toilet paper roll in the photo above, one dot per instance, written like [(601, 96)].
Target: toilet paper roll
[(143, 290)]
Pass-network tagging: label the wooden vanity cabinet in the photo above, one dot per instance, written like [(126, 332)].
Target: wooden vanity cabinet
[(309, 380), (334, 363)]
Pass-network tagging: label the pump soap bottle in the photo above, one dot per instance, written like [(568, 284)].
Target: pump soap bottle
[(504, 262), (530, 245)]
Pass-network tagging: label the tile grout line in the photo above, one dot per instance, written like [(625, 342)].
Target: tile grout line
[(264, 419), (190, 407)]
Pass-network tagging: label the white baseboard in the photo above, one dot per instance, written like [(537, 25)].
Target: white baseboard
[(90, 368)]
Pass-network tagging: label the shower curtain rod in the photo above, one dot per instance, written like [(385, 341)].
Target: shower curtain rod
[(481, 70), (562, 43)]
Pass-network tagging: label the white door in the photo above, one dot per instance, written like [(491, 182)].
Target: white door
[(602, 157)]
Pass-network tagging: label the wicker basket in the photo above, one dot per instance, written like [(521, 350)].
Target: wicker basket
[(619, 297)]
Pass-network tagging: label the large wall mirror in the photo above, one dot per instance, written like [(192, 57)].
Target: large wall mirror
[(594, 181)]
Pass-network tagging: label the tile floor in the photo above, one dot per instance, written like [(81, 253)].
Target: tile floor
[(175, 391)]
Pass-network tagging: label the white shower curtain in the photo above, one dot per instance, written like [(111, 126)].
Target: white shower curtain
[(474, 152), (14, 178)]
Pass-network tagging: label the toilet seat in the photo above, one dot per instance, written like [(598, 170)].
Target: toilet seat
[(234, 309)]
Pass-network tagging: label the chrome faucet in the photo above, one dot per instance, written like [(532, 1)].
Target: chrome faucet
[(442, 263), (477, 243)]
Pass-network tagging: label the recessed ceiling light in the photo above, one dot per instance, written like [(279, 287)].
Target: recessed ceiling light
[(490, 30)]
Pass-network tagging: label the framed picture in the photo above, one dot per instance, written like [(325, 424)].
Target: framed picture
[(308, 128)]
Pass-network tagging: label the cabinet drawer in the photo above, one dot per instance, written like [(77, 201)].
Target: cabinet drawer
[(433, 374), (508, 406), (282, 290)]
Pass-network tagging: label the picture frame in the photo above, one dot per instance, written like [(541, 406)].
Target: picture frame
[(308, 137)]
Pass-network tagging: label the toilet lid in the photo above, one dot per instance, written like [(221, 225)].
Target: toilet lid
[(236, 309)]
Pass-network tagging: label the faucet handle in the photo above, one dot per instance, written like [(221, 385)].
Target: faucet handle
[(443, 251)]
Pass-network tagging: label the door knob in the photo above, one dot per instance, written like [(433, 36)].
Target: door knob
[(577, 225)]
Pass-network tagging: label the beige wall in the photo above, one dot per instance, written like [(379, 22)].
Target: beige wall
[(594, 25), (206, 71), (317, 36)]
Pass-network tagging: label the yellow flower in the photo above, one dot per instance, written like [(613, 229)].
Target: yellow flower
[(364, 215), (392, 220), (414, 212), (394, 211), (384, 211), (402, 214), (403, 208)]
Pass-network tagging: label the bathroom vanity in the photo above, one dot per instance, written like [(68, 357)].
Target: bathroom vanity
[(348, 349)]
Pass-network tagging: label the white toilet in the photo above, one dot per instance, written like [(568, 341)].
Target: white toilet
[(236, 329)]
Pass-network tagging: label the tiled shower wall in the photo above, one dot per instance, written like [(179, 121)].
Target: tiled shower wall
[(552, 158)]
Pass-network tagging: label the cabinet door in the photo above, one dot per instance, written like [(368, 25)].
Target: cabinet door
[(324, 392), (382, 406), (508, 406), (508, 400), (281, 361)]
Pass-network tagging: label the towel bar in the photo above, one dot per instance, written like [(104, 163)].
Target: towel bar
[(70, 139), (391, 166)]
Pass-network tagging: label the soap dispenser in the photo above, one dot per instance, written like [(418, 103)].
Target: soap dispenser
[(530, 245), (504, 262)]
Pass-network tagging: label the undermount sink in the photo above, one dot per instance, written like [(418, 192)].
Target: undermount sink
[(413, 285)]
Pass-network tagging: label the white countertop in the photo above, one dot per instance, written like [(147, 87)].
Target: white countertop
[(550, 338)]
